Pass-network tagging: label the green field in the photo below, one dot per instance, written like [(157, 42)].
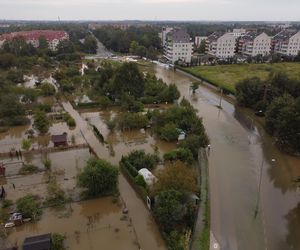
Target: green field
[(227, 76)]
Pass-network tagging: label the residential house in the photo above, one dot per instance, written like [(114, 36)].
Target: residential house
[(253, 44)]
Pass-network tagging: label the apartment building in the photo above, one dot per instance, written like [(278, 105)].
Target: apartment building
[(178, 46), (253, 44), (287, 43), (53, 37), (238, 32), (163, 35), (199, 40), (221, 45)]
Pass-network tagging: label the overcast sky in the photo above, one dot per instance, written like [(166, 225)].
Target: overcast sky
[(249, 10)]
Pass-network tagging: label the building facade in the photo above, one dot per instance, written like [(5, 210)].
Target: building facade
[(286, 43), (221, 45), (238, 32), (52, 37), (253, 44), (199, 40), (178, 46)]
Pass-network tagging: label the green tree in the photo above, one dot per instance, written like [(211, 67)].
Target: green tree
[(169, 209), (128, 79), (168, 132), (43, 43), (99, 177), (194, 143), (41, 122), (249, 92), (282, 121), (90, 44), (47, 89), (177, 176)]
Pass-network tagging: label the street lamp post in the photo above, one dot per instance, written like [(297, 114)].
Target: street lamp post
[(259, 188)]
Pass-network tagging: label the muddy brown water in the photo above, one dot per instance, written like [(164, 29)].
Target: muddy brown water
[(92, 224), (237, 152)]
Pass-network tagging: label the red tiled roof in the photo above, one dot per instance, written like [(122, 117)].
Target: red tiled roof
[(49, 35)]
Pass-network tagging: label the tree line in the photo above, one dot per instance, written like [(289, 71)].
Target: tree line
[(278, 97)]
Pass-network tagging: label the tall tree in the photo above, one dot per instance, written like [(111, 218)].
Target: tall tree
[(99, 177)]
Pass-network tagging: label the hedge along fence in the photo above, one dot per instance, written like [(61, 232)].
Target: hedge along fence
[(98, 134), (224, 86), (141, 191)]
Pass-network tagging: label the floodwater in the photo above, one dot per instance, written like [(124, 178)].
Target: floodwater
[(148, 235), (89, 225), (238, 150)]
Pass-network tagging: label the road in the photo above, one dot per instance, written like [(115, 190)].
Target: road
[(237, 151)]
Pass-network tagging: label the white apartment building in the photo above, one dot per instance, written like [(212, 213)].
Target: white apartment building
[(221, 45), (163, 35), (199, 39), (178, 46), (286, 43), (253, 44), (238, 32)]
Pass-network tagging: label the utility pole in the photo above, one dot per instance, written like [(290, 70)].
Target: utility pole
[(259, 188), (221, 97)]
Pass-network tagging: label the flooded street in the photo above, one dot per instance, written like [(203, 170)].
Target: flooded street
[(237, 153)]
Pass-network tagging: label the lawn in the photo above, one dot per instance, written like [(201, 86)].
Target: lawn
[(228, 76)]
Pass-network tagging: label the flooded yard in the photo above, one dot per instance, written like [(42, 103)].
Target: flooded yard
[(92, 224)]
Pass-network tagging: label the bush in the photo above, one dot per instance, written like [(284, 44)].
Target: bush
[(139, 180), (182, 154), (57, 242), (138, 159), (28, 169), (132, 121), (7, 203), (69, 120), (56, 196), (26, 144), (29, 206)]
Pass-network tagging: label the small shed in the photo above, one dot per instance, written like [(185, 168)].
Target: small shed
[(39, 242), (147, 175), (60, 140)]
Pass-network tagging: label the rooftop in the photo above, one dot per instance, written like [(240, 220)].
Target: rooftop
[(59, 138), (178, 36), (39, 242), (49, 35)]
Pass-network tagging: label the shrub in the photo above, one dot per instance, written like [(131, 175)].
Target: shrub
[(29, 206), (139, 180), (28, 169), (57, 242)]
